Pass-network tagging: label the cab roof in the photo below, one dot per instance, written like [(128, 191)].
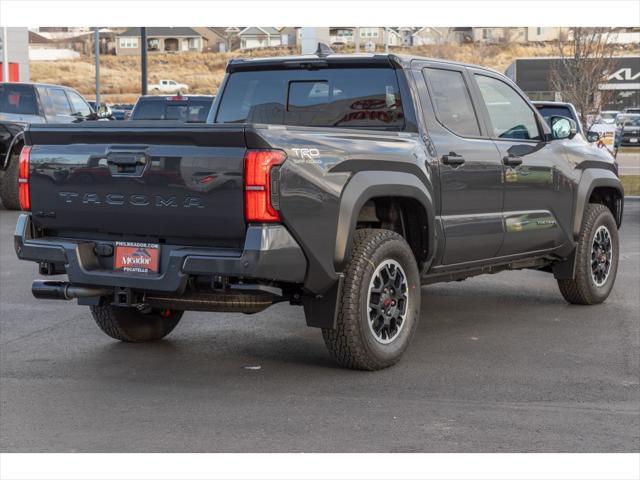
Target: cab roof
[(336, 60)]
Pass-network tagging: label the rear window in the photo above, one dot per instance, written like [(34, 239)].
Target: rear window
[(193, 111), (20, 99), (354, 98)]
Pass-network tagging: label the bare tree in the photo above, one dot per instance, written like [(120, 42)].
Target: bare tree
[(585, 61)]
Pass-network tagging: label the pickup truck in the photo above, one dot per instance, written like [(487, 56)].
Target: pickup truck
[(25, 103), (182, 108), (168, 86), (341, 183)]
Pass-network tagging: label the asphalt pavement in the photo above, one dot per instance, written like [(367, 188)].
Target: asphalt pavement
[(499, 363)]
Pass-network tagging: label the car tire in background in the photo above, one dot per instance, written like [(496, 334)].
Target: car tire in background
[(9, 184), (596, 258), (129, 324), (379, 305)]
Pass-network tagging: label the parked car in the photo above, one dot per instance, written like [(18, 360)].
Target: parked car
[(607, 116), (182, 108), (22, 104), (632, 110), (549, 110), (168, 86), (121, 111), (353, 180), (627, 130)]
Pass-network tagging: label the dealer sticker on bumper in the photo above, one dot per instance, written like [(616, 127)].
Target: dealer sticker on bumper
[(134, 257)]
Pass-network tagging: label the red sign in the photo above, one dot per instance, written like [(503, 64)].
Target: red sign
[(133, 257)]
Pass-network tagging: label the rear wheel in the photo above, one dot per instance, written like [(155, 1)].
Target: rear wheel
[(129, 324), (596, 258), (9, 185), (379, 305)]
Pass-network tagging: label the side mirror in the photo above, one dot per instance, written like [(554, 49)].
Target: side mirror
[(563, 127), (103, 111), (593, 137)]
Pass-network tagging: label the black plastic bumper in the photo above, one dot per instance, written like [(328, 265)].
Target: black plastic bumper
[(269, 253)]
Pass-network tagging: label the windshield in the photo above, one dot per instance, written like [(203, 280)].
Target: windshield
[(555, 111), (608, 115), (19, 99), (629, 120), (192, 111)]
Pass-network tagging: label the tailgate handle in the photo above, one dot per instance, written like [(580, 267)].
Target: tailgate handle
[(127, 163)]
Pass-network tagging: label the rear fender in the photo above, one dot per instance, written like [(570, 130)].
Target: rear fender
[(367, 185), (321, 310)]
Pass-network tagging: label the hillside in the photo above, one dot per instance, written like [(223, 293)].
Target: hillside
[(203, 72)]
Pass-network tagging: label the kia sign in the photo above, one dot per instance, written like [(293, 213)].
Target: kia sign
[(626, 78), (533, 75)]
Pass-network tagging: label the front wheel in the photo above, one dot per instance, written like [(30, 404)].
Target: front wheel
[(596, 258), (379, 305), (129, 324)]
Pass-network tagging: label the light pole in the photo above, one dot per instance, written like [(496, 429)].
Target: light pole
[(96, 41), (143, 59), (5, 55)]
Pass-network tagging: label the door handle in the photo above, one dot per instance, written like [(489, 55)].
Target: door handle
[(452, 159), (512, 160)]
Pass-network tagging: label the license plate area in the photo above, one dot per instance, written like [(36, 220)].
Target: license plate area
[(137, 258)]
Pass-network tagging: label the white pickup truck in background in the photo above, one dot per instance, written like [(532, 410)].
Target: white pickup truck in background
[(168, 86)]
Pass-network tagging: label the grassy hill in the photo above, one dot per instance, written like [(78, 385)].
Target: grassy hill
[(203, 72)]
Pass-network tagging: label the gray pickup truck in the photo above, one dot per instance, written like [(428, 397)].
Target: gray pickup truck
[(341, 183)]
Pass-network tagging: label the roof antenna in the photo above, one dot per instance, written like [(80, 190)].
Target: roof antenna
[(323, 50)]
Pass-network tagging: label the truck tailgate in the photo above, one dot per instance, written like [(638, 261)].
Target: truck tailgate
[(139, 179)]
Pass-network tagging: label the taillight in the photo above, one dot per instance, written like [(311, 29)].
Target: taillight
[(258, 165), (23, 179)]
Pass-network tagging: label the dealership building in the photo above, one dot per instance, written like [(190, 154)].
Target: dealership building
[(533, 76)]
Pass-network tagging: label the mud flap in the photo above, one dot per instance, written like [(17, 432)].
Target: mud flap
[(566, 269), (322, 311)]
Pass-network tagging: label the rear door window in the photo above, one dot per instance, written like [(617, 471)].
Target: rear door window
[(345, 97), (18, 99), (453, 101)]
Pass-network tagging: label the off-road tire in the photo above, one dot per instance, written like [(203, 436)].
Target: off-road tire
[(128, 324), (9, 185), (352, 343), (582, 290)]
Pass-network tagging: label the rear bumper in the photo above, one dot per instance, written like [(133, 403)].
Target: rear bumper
[(269, 253)]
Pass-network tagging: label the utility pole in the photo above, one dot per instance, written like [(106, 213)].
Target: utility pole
[(143, 59), (386, 39), (5, 54), (96, 41), (357, 39)]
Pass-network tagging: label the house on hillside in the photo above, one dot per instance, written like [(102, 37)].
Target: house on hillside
[(546, 34), (375, 36), (259, 37), (45, 45), (429, 36), (160, 40), (213, 39), (499, 34)]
